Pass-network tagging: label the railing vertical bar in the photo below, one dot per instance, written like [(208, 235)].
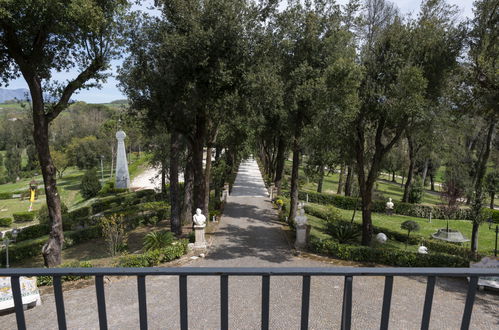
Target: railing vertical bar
[(265, 301), (224, 302), (428, 301), (183, 302), (387, 301), (18, 302), (101, 301), (59, 303), (470, 300), (141, 290), (346, 315), (305, 302)]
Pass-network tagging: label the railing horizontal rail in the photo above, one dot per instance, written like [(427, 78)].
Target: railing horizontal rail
[(251, 271), (348, 273)]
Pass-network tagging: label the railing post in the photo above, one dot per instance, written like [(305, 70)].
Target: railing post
[(59, 303), (387, 300), (346, 314), (101, 301), (428, 301), (141, 291), (224, 302), (470, 300), (183, 302), (18, 302), (265, 301), (305, 302)]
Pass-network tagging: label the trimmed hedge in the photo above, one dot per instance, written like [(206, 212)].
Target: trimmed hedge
[(431, 244), (33, 247), (379, 206), (155, 257), (33, 232), (5, 222), (391, 257), (6, 195), (48, 280), (24, 216)]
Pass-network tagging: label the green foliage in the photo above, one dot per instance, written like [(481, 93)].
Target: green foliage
[(5, 222), (108, 188), (416, 192), (6, 195), (157, 240), (155, 257), (43, 213), (343, 232), (114, 231), (85, 152), (32, 232), (48, 280), (384, 256), (12, 163), (90, 184), (410, 225), (24, 216)]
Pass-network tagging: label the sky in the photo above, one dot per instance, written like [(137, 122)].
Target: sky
[(110, 90)]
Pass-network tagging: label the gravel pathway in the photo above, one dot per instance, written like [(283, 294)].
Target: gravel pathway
[(249, 236)]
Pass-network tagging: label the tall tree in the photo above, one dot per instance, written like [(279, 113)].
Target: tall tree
[(39, 37), (484, 78)]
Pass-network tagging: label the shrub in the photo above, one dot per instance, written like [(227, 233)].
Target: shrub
[(43, 213), (90, 184), (343, 232), (113, 230), (84, 235), (26, 249), (24, 216), (409, 225), (5, 222), (48, 280), (157, 240), (384, 256), (6, 195), (155, 257), (32, 232), (109, 188), (416, 192)]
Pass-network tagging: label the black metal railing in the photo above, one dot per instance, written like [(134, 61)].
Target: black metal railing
[(224, 273)]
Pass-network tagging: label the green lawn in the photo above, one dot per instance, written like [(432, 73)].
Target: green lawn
[(68, 186), (486, 237)]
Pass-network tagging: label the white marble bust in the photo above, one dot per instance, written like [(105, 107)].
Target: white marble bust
[(199, 219), (389, 204)]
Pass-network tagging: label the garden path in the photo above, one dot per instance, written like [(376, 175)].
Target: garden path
[(250, 236)]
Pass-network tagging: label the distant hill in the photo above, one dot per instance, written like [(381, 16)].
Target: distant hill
[(11, 94)]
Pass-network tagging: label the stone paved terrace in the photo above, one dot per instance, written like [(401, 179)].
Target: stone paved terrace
[(250, 236)]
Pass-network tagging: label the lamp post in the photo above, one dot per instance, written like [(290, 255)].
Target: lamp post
[(497, 232), (6, 242)]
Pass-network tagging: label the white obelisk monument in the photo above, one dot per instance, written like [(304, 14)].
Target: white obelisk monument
[(122, 176)]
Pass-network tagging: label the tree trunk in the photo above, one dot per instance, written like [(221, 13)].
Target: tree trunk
[(478, 200), (112, 160), (294, 178), (163, 177), (174, 188), (425, 172), (367, 227), (410, 172), (321, 179), (393, 177), (197, 159), (348, 182), (281, 150), (52, 249), (492, 196), (207, 174), (432, 182), (187, 209), (340, 181)]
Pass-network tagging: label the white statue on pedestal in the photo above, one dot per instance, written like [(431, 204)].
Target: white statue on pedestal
[(389, 206), (301, 220), (199, 219), (423, 249)]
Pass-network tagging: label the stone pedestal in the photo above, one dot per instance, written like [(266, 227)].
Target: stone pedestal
[(200, 242), (301, 237)]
